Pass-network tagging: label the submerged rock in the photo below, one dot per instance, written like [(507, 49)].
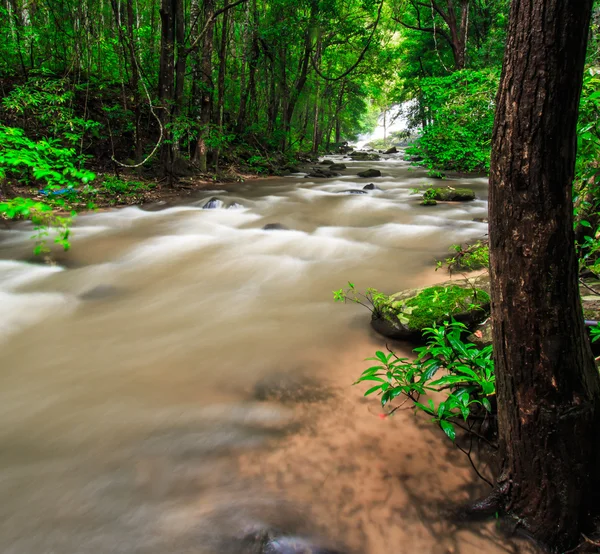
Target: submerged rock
[(404, 315), (327, 162), (337, 167), (275, 227), (294, 545), (100, 292), (290, 388), (369, 173), (371, 186), (353, 191), (449, 194), (214, 204)]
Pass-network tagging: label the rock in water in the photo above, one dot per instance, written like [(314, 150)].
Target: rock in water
[(404, 315), (364, 156), (327, 162), (100, 292), (392, 150), (369, 173), (275, 227), (371, 186), (319, 173), (353, 191), (294, 545), (213, 204), (450, 194), (337, 167)]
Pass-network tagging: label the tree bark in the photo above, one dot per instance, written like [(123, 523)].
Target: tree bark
[(206, 86), (547, 384)]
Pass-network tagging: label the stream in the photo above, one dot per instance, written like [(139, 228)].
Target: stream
[(181, 382)]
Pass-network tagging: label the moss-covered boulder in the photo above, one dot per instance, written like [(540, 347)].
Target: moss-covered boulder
[(449, 194), (404, 315), (364, 156)]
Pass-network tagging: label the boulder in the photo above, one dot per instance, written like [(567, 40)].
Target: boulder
[(292, 169), (318, 173), (337, 167), (364, 157), (371, 186), (450, 194), (404, 315), (370, 173), (392, 150), (327, 162), (275, 227), (214, 204)]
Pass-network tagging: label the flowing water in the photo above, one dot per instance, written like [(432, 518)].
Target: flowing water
[(182, 383)]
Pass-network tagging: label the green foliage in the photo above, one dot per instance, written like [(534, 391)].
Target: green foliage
[(467, 258), (43, 219), (44, 162), (116, 185), (458, 111), (458, 371), (44, 107)]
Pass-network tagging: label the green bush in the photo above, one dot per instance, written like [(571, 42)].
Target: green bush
[(467, 380), (459, 111)]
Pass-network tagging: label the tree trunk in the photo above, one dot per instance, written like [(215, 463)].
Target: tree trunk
[(166, 77), (206, 85), (547, 384)]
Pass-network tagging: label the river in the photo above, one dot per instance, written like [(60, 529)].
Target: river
[(183, 381)]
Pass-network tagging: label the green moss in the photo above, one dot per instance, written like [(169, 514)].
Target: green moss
[(451, 194), (433, 304)]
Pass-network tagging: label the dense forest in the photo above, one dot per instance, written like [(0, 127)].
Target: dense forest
[(114, 102)]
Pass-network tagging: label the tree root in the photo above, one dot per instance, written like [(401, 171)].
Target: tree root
[(488, 507)]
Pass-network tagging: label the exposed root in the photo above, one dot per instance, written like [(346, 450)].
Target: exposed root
[(489, 506)]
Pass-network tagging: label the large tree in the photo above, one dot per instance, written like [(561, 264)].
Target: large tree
[(547, 383)]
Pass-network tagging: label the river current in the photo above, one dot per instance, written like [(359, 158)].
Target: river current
[(181, 380)]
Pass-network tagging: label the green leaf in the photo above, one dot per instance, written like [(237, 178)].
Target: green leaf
[(448, 428)]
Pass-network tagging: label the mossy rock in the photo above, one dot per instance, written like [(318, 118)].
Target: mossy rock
[(404, 315), (450, 194), (364, 157)]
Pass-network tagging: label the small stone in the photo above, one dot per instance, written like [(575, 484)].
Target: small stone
[(275, 227)]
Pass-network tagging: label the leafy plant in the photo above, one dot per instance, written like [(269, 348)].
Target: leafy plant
[(456, 371), (378, 303), (44, 161), (467, 258), (43, 219)]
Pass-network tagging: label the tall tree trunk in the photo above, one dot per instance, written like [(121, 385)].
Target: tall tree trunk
[(547, 384), (221, 75), (166, 78), (206, 85)]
